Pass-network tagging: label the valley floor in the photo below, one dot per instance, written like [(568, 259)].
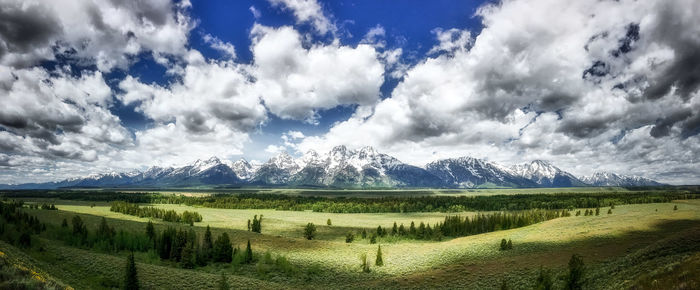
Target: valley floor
[(630, 248)]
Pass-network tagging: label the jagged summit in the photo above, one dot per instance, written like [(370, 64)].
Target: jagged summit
[(545, 174), (603, 178), (344, 167), (473, 172)]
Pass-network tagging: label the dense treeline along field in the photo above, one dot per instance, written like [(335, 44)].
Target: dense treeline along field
[(598, 239)]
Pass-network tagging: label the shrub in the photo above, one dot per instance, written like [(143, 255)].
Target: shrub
[(675, 207), (544, 280), (349, 237), (310, 231), (373, 239), (328, 222), (223, 283), (365, 265), (504, 244)]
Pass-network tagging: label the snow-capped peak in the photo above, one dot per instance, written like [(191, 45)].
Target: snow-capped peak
[(243, 169), (603, 178), (203, 165), (284, 161), (536, 169)]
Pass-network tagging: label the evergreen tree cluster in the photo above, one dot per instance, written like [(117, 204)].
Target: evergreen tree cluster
[(458, 226), (506, 245), (256, 224), (385, 204), (187, 217), (16, 226), (400, 204), (185, 248)]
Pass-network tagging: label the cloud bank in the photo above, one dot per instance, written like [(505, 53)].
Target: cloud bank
[(599, 85)]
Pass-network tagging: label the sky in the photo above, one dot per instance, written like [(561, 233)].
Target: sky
[(100, 86)]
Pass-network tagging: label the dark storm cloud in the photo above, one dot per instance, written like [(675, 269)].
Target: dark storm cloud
[(241, 118), (584, 128), (683, 73), (196, 123), (663, 126), (691, 126), (42, 124), (23, 29)]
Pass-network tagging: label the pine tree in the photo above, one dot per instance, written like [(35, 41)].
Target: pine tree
[(575, 278), (64, 224), (249, 225), (207, 244), (151, 231), (104, 232), (609, 211), (510, 244), (373, 239), (380, 261), (402, 230), (223, 250), (504, 244), (256, 225), (364, 233), (394, 230), (328, 222), (131, 281), (188, 258), (675, 207), (597, 211), (179, 242), (412, 229), (379, 231), (223, 283), (79, 228), (248, 254)]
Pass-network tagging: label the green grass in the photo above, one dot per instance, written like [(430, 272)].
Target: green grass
[(472, 261)]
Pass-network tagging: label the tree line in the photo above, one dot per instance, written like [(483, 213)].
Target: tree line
[(188, 217), (425, 203), (395, 204), (458, 226)]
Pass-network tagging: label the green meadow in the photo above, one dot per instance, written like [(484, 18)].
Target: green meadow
[(640, 246)]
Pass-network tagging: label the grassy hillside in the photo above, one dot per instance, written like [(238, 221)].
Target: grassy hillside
[(609, 244)]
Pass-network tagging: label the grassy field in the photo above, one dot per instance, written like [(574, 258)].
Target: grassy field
[(472, 262)]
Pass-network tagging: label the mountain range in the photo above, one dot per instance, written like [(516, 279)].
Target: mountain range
[(345, 168)]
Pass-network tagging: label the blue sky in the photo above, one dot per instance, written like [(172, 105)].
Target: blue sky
[(409, 25), (91, 87)]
